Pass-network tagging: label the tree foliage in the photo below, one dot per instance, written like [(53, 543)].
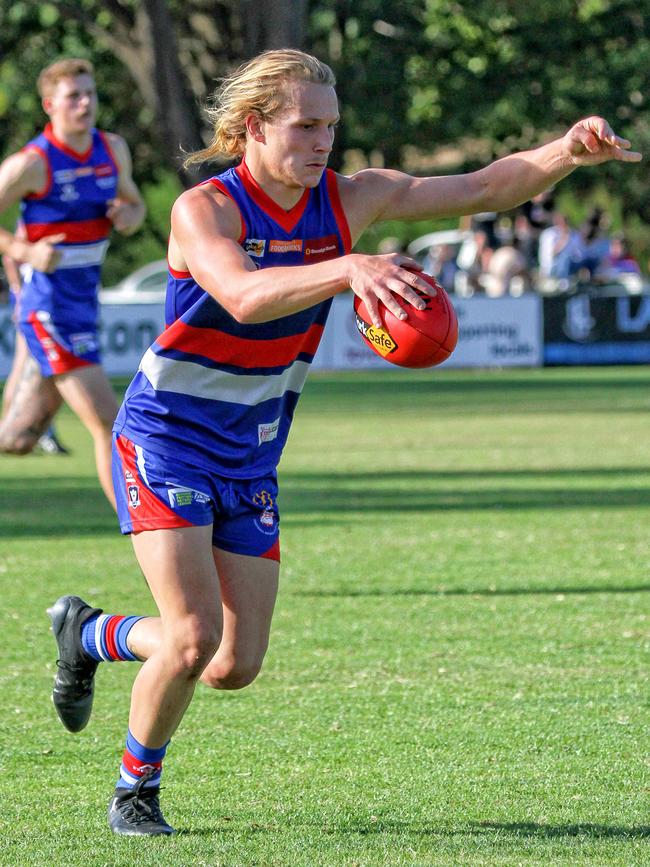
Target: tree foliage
[(428, 85)]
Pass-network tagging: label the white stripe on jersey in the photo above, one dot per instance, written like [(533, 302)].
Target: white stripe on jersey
[(187, 377), (82, 255)]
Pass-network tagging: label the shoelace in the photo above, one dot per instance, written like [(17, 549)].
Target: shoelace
[(83, 673), (143, 804)]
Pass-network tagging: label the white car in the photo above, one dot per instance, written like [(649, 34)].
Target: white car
[(145, 285)]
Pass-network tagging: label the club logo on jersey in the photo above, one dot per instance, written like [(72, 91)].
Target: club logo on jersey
[(381, 339), (254, 247), (267, 432), (266, 521), (321, 249), (103, 170), (290, 246), (68, 193)]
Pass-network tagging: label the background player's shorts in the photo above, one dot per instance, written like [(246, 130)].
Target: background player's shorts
[(58, 348), (154, 494)]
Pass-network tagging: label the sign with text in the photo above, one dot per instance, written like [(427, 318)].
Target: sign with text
[(125, 332), (493, 332), (587, 329)]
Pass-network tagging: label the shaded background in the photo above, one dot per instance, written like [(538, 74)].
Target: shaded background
[(430, 86)]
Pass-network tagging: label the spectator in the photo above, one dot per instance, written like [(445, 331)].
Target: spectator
[(596, 242), (560, 252), (440, 262)]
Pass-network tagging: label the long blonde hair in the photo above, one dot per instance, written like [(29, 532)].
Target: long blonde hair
[(256, 87)]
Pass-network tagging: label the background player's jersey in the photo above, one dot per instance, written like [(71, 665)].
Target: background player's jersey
[(73, 202), (219, 393)]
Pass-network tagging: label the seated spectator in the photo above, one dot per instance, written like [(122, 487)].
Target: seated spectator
[(440, 262), (506, 273), (595, 237), (561, 251), (472, 260), (620, 260)]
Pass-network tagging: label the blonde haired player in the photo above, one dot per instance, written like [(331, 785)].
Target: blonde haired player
[(255, 256)]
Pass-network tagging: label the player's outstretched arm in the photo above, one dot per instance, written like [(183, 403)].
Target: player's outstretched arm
[(377, 194), (127, 210)]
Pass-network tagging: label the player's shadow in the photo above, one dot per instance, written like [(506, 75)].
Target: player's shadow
[(588, 830), (48, 507), (584, 830), (336, 495)]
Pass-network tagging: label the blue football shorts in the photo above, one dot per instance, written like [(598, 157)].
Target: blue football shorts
[(154, 493)]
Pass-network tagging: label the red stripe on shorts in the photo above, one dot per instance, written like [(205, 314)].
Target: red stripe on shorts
[(150, 513), (60, 359)]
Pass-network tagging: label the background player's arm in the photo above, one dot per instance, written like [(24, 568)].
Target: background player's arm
[(21, 174), (373, 194), (205, 229), (127, 210)]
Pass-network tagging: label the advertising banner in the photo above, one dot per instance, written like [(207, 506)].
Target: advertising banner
[(125, 332), (586, 329), (493, 332), (499, 332)]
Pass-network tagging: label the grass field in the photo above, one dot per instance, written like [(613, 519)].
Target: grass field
[(458, 672)]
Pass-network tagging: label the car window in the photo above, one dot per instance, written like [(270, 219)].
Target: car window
[(153, 281)]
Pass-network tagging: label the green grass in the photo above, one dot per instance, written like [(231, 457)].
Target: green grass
[(458, 672)]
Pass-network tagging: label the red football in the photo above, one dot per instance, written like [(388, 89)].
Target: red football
[(425, 338)]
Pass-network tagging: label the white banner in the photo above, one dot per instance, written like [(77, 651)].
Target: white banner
[(125, 333), (494, 332)]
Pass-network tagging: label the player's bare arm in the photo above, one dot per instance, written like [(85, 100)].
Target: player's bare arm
[(127, 210), (373, 195), (205, 230), (22, 174)]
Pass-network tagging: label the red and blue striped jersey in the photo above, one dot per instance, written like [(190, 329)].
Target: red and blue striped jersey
[(223, 393), (73, 202)]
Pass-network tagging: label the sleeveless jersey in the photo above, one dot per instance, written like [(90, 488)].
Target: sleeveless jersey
[(73, 202), (220, 393)]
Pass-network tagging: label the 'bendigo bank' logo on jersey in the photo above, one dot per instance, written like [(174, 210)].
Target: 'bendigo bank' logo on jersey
[(380, 339)]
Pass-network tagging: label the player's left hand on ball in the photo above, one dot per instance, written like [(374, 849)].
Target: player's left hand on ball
[(385, 278), (592, 141)]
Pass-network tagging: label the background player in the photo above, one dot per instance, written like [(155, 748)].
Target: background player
[(255, 255), (50, 398), (74, 184)]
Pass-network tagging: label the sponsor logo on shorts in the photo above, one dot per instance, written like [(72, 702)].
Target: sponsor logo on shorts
[(381, 339), (83, 343), (185, 497), (320, 249), (290, 246), (254, 246), (267, 432), (266, 521)]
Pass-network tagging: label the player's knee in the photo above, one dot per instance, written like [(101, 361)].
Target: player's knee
[(194, 648), (17, 443), (231, 673)]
